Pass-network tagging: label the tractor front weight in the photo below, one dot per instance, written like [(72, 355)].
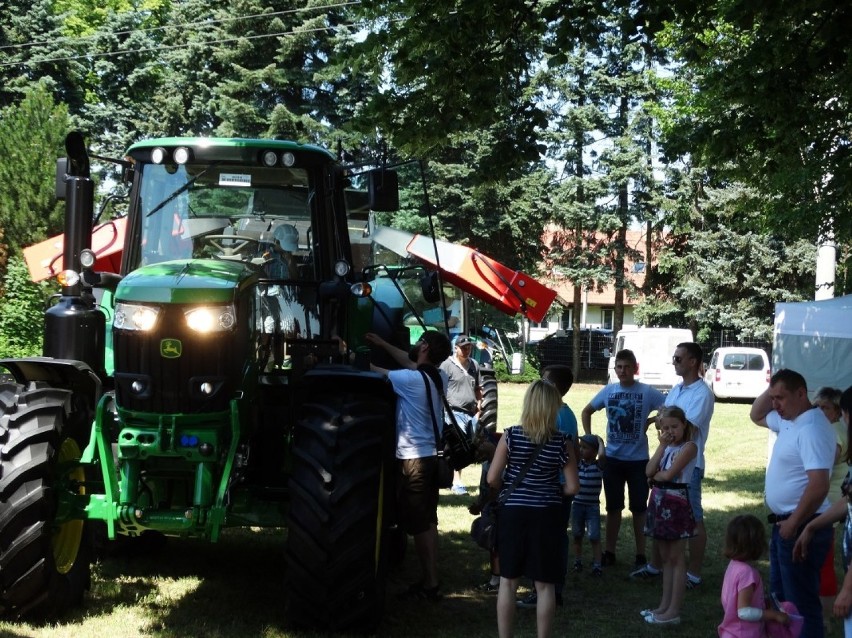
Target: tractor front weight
[(185, 460)]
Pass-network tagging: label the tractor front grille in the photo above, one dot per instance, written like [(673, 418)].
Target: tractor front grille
[(176, 370)]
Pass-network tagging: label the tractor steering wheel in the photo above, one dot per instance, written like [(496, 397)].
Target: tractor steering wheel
[(231, 246)]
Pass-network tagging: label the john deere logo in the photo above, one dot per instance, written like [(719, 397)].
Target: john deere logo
[(170, 348)]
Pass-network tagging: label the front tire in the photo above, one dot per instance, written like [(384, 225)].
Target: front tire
[(44, 565), (339, 497)]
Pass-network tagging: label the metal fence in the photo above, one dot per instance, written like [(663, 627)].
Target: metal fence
[(595, 348)]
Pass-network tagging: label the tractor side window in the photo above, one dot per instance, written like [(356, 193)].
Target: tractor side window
[(164, 208)]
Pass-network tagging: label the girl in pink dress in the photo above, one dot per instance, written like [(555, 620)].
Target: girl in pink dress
[(742, 589)]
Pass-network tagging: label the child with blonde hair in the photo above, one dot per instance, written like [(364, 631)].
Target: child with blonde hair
[(670, 520)]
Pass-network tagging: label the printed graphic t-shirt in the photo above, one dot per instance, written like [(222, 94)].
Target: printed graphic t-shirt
[(627, 410)]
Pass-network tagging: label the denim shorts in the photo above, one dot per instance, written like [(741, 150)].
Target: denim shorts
[(467, 422), (695, 493), (584, 515)]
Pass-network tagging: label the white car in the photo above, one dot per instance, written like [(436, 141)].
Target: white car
[(738, 373)]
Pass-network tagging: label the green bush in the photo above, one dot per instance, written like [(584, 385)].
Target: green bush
[(529, 372), (21, 312)]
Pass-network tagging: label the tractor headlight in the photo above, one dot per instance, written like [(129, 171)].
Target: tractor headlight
[(362, 289), (87, 258), (159, 155), (68, 278), (130, 316), (181, 155), (211, 318)]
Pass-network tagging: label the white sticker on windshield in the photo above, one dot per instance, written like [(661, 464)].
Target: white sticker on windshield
[(234, 179)]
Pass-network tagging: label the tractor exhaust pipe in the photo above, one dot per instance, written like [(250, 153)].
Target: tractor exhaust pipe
[(74, 328)]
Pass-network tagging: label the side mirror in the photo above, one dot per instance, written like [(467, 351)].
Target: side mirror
[(429, 287), (383, 190), (61, 172)]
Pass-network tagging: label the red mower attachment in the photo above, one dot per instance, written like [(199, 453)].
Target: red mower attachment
[(510, 291)]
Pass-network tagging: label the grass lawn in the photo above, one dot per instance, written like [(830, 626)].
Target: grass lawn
[(234, 588)]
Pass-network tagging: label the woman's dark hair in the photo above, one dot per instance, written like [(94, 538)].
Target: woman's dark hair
[(745, 538)]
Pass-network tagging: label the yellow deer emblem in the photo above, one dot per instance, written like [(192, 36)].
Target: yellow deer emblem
[(171, 348)]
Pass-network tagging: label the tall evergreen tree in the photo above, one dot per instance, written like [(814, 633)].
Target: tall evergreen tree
[(715, 253), (32, 135), (448, 67), (614, 41), (36, 49)]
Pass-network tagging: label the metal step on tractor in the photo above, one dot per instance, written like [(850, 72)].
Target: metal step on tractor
[(205, 368)]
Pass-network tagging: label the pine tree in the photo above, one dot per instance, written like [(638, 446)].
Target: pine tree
[(32, 135)]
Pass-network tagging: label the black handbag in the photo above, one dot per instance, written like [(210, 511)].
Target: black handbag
[(454, 448), (483, 529), (459, 450)]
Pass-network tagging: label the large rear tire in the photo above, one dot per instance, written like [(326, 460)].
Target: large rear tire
[(44, 566), (339, 491), (488, 406)]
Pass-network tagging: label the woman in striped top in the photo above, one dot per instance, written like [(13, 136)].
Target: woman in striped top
[(530, 533)]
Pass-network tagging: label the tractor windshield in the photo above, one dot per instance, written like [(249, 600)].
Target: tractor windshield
[(223, 211)]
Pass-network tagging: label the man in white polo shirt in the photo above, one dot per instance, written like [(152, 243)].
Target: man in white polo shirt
[(695, 398), (797, 480)]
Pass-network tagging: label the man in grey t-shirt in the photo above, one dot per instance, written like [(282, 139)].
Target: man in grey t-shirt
[(464, 393)]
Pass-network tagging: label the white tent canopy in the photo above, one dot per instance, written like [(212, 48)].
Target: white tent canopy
[(814, 338)]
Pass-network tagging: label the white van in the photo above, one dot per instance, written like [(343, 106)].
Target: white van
[(738, 373), (653, 348)]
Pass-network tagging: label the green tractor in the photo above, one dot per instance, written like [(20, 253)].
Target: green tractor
[(205, 368), (219, 378)]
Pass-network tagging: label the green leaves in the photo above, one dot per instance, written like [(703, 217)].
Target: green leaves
[(768, 98), (21, 312), (32, 136)]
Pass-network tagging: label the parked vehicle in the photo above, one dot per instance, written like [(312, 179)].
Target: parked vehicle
[(738, 372), (653, 348), (595, 348)]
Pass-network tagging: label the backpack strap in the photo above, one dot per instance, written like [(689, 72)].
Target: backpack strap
[(432, 409)]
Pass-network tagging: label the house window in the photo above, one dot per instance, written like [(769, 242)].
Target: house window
[(607, 316), (565, 323)]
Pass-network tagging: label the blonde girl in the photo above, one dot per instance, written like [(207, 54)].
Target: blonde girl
[(670, 520), (531, 526)]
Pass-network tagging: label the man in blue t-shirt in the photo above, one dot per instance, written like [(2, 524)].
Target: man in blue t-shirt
[(628, 404)]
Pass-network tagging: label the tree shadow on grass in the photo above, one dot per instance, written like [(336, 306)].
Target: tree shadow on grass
[(195, 588), (236, 588)]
